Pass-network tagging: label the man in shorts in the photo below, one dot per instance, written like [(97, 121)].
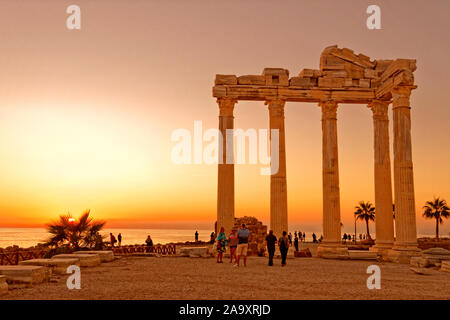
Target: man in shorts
[(242, 247)]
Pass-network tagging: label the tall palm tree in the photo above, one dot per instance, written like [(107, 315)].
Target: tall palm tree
[(436, 209), (365, 211), (74, 232)]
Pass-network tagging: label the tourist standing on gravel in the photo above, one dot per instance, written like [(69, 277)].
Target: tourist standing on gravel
[(221, 244), (233, 243), (283, 242), (242, 247), (196, 236), (271, 241), (296, 243), (149, 241), (119, 238)]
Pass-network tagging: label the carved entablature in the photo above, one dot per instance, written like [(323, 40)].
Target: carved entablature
[(343, 76)]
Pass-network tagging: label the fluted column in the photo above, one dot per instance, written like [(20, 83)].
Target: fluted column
[(382, 169), (278, 187), (330, 175), (225, 183), (405, 211)]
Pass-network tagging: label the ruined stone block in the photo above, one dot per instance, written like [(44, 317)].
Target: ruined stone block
[(362, 255), (3, 286), (225, 79), (307, 73), (301, 82), (194, 252), (105, 255), (419, 262), (445, 266), (370, 74), (25, 274), (364, 83), (86, 260), (252, 80), (331, 82), (58, 266), (276, 76)]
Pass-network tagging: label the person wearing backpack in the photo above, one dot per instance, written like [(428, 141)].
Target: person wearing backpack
[(283, 243)]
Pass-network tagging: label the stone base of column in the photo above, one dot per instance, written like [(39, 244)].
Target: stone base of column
[(330, 251), (403, 254), (382, 249)]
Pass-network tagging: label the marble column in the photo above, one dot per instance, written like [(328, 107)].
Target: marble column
[(384, 220), (405, 244), (331, 244), (278, 186), (225, 183)]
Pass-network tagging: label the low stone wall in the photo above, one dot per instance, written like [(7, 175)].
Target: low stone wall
[(427, 243)]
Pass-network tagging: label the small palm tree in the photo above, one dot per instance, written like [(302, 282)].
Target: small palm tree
[(436, 209), (365, 211), (75, 232)]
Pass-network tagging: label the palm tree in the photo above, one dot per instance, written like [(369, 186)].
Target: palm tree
[(436, 209), (365, 211), (75, 232)]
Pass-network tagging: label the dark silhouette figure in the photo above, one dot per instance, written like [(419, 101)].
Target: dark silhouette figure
[(271, 242), (196, 236), (119, 237), (296, 243), (112, 239), (149, 241), (283, 243)]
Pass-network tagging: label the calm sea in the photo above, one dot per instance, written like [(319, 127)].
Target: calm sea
[(28, 237)]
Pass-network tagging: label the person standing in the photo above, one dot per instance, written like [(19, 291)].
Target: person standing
[(283, 243), (304, 237), (290, 238), (300, 236), (271, 241), (314, 237), (296, 243), (233, 242), (242, 247), (221, 245), (196, 236), (119, 237), (212, 238), (112, 239), (149, 241)]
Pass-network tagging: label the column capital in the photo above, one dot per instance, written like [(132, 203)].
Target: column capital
[(400, 96), (379, 109), (226, 106), (329, 109), (276, 107)]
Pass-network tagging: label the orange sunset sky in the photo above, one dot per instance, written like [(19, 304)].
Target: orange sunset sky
[(86, 115)]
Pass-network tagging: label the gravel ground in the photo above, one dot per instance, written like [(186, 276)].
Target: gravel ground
[(203, 278)]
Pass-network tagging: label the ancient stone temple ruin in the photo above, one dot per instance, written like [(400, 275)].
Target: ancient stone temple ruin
[(343, 78)]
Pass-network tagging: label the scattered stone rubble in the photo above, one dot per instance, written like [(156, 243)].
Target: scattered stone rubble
[(433, 258), (258, 233)]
